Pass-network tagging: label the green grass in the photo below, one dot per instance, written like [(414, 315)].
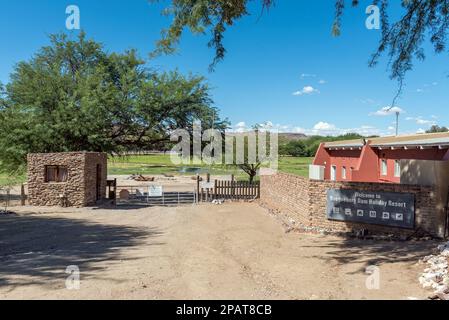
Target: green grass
[(149, 165), (161, 164), (5, 180), (293, 165)]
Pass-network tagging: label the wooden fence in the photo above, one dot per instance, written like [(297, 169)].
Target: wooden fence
[(228, 190)]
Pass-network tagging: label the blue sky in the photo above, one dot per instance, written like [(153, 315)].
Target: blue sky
[(284, 67)]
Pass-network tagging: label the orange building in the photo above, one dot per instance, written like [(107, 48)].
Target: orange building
[(380, 159)]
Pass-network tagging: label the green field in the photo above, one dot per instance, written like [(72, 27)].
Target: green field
[(161, 164), (5, 180)]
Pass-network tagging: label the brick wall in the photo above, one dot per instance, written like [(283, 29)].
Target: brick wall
[(81, 185), (302, 202)]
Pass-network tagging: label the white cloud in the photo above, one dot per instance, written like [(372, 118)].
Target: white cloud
[(307, 90), (320, 128), (324, 126), (421, 121), (387, 111), (308, 75), (299, 130), (240, 127), (425, 86), (420, 130)]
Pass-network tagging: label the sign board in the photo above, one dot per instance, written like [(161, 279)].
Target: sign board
[(155, 191), (208, 185), (371, 207)]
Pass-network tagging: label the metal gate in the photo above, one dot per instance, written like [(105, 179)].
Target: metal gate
[(140, 195)]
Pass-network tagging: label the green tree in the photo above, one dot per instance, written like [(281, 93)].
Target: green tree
[(251, 165), (74, 96), (296, 148), (436, 129)]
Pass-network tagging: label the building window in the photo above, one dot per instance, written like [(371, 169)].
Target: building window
[(397, 169), (56, 174), (384, 168), (333, 173), (343, 173)]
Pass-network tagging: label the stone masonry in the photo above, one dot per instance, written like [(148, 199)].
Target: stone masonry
[(301, 203), (80, 189)]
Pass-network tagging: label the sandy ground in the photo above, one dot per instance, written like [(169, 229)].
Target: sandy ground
[(233, 251)]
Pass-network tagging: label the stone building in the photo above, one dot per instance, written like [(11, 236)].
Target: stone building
[(72, 179)]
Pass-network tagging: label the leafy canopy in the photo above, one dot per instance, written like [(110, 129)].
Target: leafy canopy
[(74, 96), (201, 15)]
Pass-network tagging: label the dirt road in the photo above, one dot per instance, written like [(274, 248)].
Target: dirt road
[(233, 251)]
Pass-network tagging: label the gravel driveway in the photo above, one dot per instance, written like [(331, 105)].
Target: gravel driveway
[(233, 251)]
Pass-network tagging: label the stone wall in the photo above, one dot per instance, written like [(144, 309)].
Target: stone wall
[(90, 175), (80, 188), (301, 202)]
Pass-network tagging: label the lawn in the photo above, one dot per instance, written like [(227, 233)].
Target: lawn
[(5, 180), (162, 164)]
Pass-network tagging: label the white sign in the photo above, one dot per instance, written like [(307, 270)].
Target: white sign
[(208, 185), (155, 191)]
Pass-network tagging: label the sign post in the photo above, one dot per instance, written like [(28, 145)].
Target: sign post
[(155, 191), (372, 207)]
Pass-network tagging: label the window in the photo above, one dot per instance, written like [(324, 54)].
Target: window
[(384, 168), (333, 173), (56, 174), (343, 173), (397, 169)]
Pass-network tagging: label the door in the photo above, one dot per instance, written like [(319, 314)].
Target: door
[(98, 184), (333, 173)]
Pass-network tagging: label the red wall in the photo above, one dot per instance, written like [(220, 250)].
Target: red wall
[(365, 165)]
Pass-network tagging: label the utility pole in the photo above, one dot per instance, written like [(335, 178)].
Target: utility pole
[(397, 123)]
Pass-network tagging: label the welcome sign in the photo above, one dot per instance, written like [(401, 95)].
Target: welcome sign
[(380, 208)]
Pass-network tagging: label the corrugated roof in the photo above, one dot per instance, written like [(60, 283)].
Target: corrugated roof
[(428, 139), (345, 144)]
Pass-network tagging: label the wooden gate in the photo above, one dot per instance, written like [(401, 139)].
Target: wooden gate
[(228, 190)]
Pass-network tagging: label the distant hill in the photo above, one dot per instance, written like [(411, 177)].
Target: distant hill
[(292, 136)]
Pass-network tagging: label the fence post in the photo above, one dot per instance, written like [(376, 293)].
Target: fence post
[(233, 187), (115, 192), (8, 193), (208, 190), (197, 188), (22, 195)]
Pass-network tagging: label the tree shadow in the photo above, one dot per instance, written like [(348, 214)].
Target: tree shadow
[(38, 249)]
